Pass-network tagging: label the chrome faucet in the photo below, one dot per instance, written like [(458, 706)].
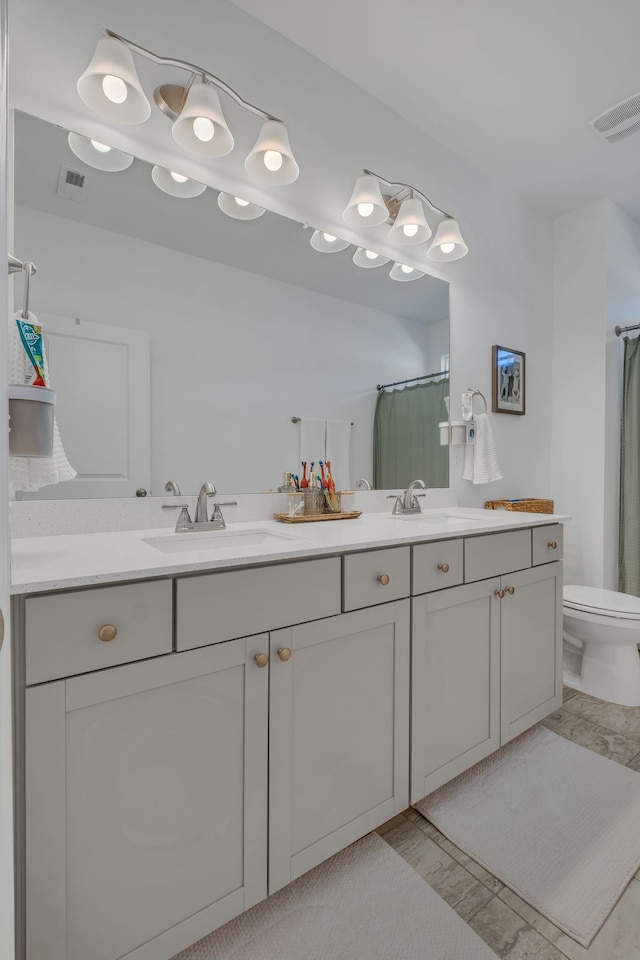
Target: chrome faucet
[(407, 502), (172, 487), (363, 483), (206, 490)]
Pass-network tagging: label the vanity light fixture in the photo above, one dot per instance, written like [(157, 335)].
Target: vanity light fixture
[(403, 207), (402, 271), (368, 258), (238, 208), (99, 155), (176, 184), (111, 87), (327, 242)]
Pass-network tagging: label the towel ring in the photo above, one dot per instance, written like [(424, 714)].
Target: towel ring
[(477, 393)]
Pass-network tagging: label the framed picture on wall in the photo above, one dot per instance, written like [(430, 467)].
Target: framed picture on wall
[(507, 380)]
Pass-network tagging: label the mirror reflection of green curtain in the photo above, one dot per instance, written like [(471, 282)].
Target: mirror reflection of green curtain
[(406, 436), (629, 530)]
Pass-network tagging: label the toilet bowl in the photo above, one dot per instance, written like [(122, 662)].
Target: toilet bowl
[(601, 630)]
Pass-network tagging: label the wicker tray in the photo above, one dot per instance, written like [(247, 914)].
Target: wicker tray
[(530, 505), (313, 517)]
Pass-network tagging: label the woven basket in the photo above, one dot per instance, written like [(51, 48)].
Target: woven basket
[(531, 505)]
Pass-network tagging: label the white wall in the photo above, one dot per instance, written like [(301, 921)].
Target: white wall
[(500, 293), (596, 286), (234, 355)]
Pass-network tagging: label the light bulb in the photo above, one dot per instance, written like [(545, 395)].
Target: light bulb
[(410, 229), (272, 160), (114, 88), (329, 237), (204, 129), (365, 209), (178, 177), (241, 203), (370, 255), (100, 147), (406, 269), (447, 247)]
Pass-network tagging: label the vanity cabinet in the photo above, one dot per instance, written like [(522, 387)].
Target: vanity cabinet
[(339, 734), (486, 655), (146, 804)]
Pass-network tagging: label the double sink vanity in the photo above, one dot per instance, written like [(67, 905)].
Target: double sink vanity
[(203, 717)]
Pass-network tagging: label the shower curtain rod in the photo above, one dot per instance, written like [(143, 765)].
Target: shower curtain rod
[(620, 330), (426, 376)]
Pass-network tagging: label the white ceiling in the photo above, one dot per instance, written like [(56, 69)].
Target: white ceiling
[(510, 85)]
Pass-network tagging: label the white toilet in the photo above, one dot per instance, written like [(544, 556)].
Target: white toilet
[(601, 636)]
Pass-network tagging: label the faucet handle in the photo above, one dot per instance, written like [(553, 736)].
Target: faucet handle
[(184, 520)]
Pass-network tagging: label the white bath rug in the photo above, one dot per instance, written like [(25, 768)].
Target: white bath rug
[(365, 903), (557, 823)]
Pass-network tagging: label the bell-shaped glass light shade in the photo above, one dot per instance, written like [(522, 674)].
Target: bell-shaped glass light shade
[(110, 84), (327, 242), (175, 184), (201, 127), (238, 208), (99, 155), (366, 205), (402, 271), (410, 225), (271, 159), (447, 243), (368, 258)]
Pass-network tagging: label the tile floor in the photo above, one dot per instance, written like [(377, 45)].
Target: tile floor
[(513, 929)]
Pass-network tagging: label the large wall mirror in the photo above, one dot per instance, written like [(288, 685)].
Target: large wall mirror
[(248, 328)]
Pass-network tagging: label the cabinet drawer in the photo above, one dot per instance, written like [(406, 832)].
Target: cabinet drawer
[(237, 603), (496, 553), (364, 577), (437, 565), (62, 630), (546, 543)]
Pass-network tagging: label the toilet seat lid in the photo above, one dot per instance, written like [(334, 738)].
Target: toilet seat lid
[(606, 603)]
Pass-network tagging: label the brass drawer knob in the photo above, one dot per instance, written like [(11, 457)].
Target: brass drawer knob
[(384, 579), (444, 567), (553, 544), (284, 653), (511, 591), (108, 632), (261, 659), (499, 593)]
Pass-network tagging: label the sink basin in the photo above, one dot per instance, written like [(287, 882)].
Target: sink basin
[(214, 540), (443, 519)]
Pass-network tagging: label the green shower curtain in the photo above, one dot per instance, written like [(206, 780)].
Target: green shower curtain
[(406, 436), (629, 530)]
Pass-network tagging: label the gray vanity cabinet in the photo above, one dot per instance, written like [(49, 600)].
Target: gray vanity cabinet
[(338, 734), (486, 655), (146, 804)]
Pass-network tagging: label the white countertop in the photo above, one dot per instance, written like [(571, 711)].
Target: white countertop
[(78, 560)]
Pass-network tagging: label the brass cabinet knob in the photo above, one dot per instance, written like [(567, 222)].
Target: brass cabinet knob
[(384, 579), (261, 659), (511, 591), (499, 593), (553, 544), (284, 653), (108, 632), (444, 567)]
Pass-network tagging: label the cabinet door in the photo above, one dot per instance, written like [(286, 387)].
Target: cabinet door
[(455, 676), (146, 790), (531, 648), (339, 733)]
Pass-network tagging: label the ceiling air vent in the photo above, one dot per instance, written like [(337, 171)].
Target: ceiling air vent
[(72, 184), (619, 121)]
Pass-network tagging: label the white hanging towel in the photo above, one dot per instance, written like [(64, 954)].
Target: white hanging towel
[(31, 473), (480, 458), (338, 451), (311, 441)]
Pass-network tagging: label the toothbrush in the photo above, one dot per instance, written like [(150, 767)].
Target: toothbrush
[(324, 481), (304, 483)]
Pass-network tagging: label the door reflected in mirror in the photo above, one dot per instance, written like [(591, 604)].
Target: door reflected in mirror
[(248, 327)]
